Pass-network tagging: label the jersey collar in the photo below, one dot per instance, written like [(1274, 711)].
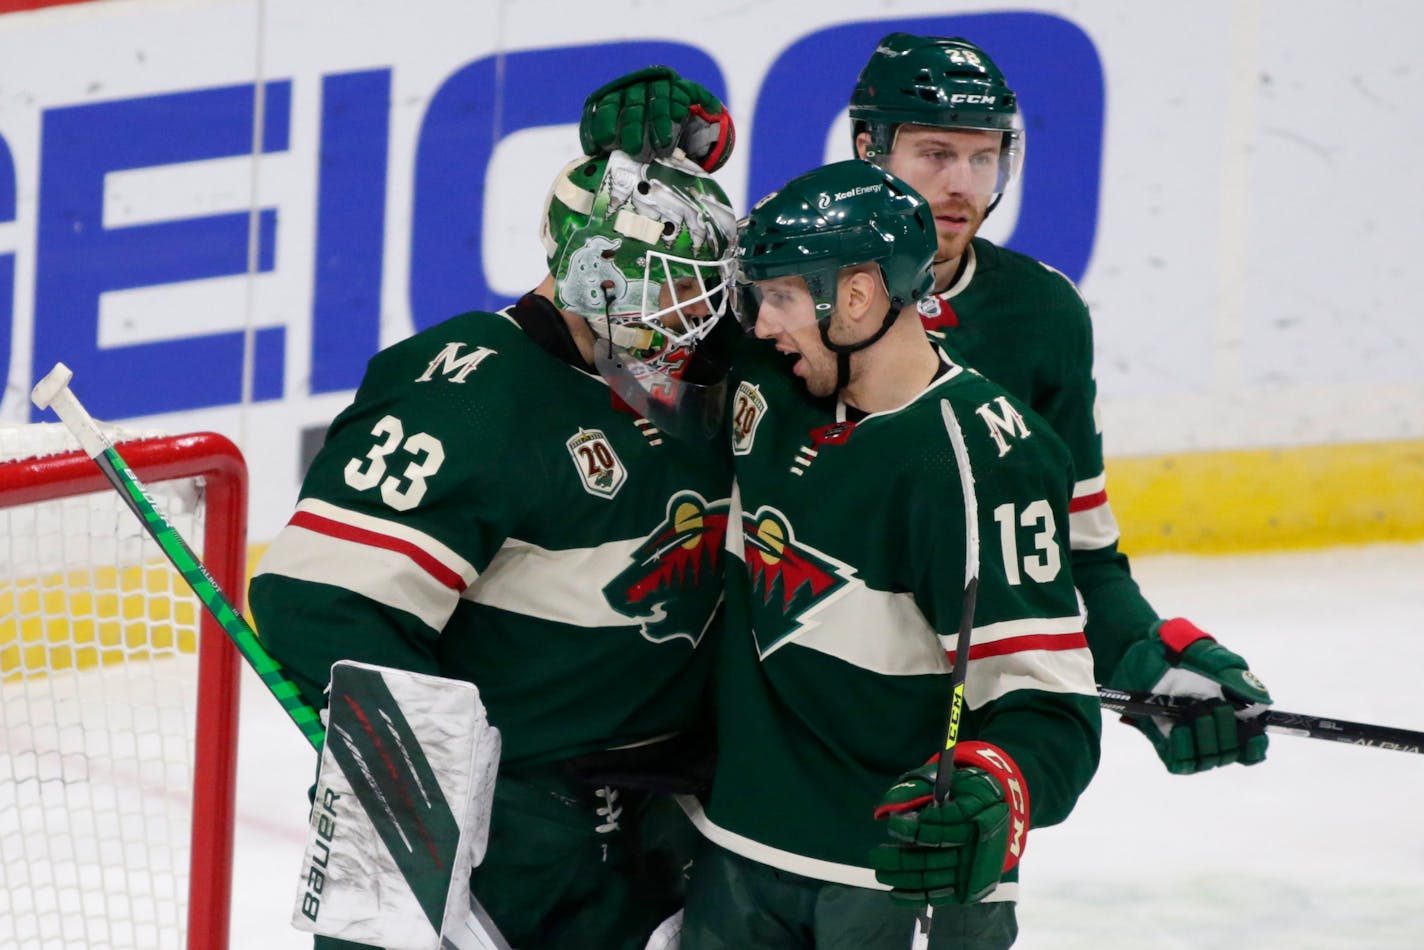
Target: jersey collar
[(968, 261), (948, 370)]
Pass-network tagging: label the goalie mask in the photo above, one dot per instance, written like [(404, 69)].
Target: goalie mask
[(643, 252), (941, 83)]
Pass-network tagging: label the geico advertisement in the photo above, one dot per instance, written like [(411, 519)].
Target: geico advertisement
[(215, 212)]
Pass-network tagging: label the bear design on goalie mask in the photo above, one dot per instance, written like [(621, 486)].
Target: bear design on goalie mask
[(592, 278)]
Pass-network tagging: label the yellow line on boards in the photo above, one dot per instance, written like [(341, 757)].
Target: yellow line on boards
[(1269, 499)]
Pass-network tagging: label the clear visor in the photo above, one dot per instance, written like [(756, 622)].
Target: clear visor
[(969, 160), (785, 303), (747, 302), (680, 391)]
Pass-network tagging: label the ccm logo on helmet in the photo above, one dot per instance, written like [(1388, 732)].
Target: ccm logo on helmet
[(972, 99)]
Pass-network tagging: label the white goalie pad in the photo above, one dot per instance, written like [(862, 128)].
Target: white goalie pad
[(401, 813)]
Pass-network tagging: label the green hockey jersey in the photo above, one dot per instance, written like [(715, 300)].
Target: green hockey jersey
[(484, 511), (844, 598), (1023, 324)]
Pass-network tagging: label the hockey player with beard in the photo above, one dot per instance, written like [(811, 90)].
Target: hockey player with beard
[(939, 114), (528, 500), (845, 589)]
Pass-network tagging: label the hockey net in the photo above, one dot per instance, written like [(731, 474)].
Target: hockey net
[(118, 696)]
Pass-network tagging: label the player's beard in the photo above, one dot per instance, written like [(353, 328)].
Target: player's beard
[(952, 244)]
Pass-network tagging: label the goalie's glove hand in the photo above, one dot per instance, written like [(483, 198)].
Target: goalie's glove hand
[(1224, 723), (650, 112), (957, 851)]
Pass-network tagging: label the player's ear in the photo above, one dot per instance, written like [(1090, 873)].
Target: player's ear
[(862, 144), (858, 293)]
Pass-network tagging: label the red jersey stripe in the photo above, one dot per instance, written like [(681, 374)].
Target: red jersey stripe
[(346, 532), (1033, 641), (1088, 501)]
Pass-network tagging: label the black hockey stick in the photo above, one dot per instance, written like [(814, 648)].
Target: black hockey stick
[(1306, 726), (944, 771)]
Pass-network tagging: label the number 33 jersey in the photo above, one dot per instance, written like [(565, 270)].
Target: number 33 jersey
[(484, 511)]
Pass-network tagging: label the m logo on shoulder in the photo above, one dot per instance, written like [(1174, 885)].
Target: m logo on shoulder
[(1005, 422), (454, 367)]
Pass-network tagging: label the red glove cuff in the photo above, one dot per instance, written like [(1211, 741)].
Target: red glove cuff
[(1177, 634), (726, 137), (995, 761)]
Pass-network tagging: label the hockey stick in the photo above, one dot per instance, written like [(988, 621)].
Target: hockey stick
[(1306, 726), (53, 392), (944, 769)]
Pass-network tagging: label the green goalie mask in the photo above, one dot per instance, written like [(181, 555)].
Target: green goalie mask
[(946, 83), (643, 252), (837, 216)]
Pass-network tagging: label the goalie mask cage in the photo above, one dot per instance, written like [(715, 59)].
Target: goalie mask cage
[(118, 696)]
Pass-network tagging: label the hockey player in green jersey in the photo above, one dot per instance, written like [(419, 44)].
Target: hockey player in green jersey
[(845, 590), (529, 500), (939, 114)]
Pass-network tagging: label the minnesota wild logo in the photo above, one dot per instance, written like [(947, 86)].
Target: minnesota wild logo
[(790, 582), (675, 579)]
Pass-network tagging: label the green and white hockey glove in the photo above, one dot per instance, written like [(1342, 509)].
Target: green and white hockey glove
[(955, 852), (650, 112), (1224, 725)]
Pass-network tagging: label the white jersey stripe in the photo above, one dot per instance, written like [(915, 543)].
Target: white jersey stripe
[(1012, 629), (429, 545), (815, 868), (1092, 528), (874, 630), (735, 539), (1091, 523), (562, 586), (1053, 671), (1091, 486), (385, 576), (886, 633)]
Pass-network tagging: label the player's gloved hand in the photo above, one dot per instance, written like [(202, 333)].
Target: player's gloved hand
[(1224, 725), (649, 112), (955, 852)]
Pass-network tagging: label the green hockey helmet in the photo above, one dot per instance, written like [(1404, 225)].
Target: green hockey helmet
[(624, 237), (939, 82), (839, 215)]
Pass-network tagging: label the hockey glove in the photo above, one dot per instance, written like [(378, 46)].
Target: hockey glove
[(1223, 725), (649, 112), (955, 852)]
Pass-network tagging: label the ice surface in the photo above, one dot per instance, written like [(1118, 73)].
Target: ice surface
[(1319, 848)]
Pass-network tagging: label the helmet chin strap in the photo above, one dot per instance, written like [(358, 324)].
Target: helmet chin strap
[(843, 351)]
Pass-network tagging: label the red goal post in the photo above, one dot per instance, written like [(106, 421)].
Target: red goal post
[(215, 468)]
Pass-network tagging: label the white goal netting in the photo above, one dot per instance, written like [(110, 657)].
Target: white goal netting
[(98, 697)]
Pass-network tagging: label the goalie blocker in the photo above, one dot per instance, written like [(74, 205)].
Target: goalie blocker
[(401, 813)]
